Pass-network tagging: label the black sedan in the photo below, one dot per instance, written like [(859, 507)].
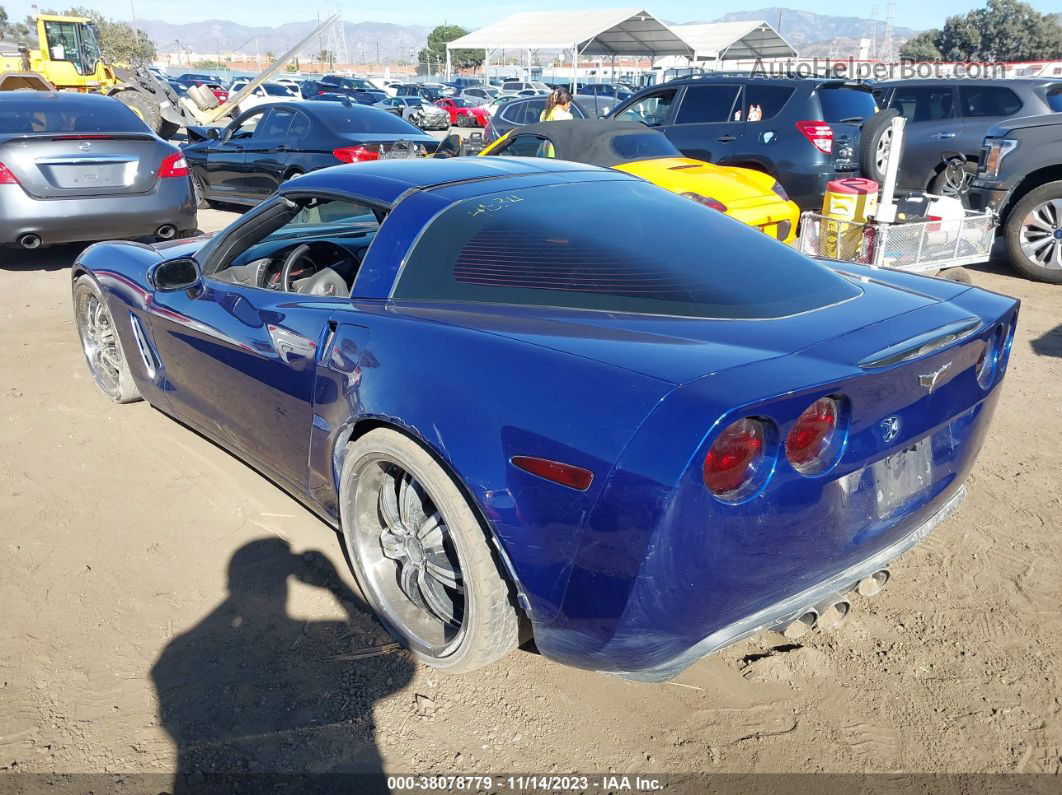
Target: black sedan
[(245, 162)]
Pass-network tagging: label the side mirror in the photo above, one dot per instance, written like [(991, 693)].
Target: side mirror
[(175, 274), (213, 133)]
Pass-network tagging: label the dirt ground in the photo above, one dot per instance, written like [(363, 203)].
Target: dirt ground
[(163, 605)]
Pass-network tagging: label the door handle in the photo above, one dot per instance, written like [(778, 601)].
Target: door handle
[(281, 148), (942, 136), (725, 139), (289, 345), (237, 147)]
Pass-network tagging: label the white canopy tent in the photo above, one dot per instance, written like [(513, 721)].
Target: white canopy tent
[(610, 32), (748, 39)]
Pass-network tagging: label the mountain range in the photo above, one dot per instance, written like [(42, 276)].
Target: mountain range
[(368, 42)]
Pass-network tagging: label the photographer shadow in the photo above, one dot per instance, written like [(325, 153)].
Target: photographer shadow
[(250, 694)]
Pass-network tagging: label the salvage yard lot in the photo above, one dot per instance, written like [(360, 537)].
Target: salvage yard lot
[(164, 605)]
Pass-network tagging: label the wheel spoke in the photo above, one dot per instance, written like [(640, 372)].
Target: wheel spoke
[(410, 502), (407, 581), (392, 545), (436, 599), (441, 570), (1034, 249), (389, 503)]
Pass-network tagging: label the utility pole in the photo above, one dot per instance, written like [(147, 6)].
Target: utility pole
[(377, 51), (136, 33)]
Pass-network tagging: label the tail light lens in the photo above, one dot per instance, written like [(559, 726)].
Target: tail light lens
[(707, 201), (812, 443), (355, 154), (174, 166), (737, 461), (819, 134), (6, 177), (989, 358), (779, 191)]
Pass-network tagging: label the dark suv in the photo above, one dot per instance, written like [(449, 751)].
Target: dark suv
[(1020, 178), (949, 118), (802, 131)]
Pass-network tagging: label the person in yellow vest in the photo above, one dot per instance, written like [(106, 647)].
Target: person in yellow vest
[(558, 106)]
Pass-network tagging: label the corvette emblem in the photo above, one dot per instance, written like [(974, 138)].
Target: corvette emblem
[(890, 428), (929, 380)]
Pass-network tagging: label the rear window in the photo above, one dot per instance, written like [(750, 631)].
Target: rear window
[(988, 101), (639, 145), (275, 90), (839, 104), (342, 119), (51, 116), (763, 101), (659, 253), (1054, 98)]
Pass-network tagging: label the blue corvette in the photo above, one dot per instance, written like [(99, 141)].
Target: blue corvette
[(540, 398)]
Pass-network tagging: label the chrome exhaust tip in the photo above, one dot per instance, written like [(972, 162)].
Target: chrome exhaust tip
[(833, 613), (872, 585), (166, 232), (799, 626), (30, 241)]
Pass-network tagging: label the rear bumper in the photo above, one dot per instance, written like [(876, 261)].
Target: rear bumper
[(95, 218), (796, 605)]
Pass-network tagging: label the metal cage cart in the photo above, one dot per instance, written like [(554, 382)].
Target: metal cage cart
[(916, 246)]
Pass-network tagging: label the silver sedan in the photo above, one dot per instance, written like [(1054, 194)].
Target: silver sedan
[(418, 111), (83, 167)]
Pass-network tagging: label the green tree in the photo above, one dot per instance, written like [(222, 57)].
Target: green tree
[(922, 47), (435, 52), (18, 31), (118, 40), (1004, 30)]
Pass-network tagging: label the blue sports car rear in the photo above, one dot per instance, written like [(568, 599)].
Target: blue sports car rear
[(542, 395)]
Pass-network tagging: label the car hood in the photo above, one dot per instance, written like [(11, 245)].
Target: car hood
[(1040, 120), (188, 247), (685, 175)]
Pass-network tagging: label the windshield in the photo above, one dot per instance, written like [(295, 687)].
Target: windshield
[(658, 253), (90, 48), (275, 90)]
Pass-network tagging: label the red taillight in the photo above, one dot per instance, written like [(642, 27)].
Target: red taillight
[(810, 442), (355, 154), (174, 166), (6, 177), (707, 201), (567, 475), (734, 458), (84, 138), (820, 135)]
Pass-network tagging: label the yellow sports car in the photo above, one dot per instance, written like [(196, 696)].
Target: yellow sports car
[(750, 196)]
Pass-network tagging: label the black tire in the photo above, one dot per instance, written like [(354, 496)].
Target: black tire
[(144, 107), (874, 141), (106, 360), (489, 622), (199, 195), (1043, 237), (940, 186), (465, 121), (167, 129)]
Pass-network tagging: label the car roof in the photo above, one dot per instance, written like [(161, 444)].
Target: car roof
[(589, 140), (67, 97), (384, 181), (954, 81)]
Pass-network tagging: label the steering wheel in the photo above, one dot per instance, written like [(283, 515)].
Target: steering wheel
[(290, 261)]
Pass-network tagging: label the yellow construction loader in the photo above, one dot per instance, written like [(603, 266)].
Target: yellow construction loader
[(68, 58)]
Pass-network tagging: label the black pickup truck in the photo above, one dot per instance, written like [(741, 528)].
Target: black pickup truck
[(1020, 178)]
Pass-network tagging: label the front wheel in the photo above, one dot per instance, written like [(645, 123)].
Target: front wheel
[(421, 556), (1033, 234), (143, 106), (99, 340)]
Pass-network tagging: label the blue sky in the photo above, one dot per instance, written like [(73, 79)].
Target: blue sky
[(909, 13)]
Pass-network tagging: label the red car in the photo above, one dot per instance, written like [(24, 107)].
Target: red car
[(463, 113), (216, 89)]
